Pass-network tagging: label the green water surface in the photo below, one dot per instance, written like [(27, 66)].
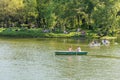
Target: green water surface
[(34, 59)]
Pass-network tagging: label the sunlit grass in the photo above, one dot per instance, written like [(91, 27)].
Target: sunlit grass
[(38, 33)]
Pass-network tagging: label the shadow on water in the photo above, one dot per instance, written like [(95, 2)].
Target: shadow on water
[(104, 56), (96, 56)]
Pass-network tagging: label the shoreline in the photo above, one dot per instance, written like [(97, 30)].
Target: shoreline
[(37, 33), (49, 35)]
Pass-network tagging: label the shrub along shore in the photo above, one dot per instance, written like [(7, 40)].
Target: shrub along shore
[(35, 33), (39, 33)]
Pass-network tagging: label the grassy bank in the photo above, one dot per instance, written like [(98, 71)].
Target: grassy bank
[(35, 33), (38, 33)]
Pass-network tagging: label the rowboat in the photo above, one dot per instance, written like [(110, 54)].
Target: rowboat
[(71, 53)]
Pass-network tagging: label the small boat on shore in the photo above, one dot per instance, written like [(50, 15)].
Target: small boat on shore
[(71, 53)]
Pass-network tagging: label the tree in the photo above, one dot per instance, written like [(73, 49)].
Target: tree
[(105, 20), (8, 9)]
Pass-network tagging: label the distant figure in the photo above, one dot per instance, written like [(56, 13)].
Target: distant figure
[(78, 49), (83, 33), (94, 44), (65, 32), (105, 42), (91, 44), (97, 44), (70, 49), (46, 31), (78, 30)]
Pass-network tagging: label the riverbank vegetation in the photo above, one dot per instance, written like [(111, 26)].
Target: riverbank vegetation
[(60, 18), (36, 33)]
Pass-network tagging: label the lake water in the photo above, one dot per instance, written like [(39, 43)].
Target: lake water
[(34, 59)]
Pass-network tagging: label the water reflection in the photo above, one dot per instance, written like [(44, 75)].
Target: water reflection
[(34, 59), (86, 67)]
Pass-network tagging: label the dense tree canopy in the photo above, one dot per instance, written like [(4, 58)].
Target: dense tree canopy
[(100, 16)]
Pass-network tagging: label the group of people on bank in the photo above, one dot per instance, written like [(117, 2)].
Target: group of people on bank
[(97, 44)]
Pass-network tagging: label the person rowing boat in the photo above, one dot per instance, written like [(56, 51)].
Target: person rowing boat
[(70, 49), (79, 49)]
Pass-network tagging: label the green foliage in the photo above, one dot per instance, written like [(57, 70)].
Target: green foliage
[(100, 16), (105, 17), (34, 33)]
